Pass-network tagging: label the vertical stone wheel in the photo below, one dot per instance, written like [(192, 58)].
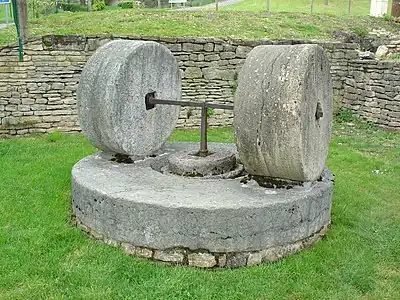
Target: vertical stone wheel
[(283, 112), (111, 97)]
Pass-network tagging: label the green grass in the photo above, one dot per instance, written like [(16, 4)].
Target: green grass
[(335, 7), (234, 24), (43, 257)]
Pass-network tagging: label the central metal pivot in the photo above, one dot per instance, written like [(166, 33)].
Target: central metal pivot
[(151, 101)]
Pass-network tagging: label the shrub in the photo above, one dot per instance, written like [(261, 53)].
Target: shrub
[(346, 115), (132, 4), (126, 4), (73, 7), (99, 5)]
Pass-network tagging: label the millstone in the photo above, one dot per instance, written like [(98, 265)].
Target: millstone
[(111, 97), (283, 112), (189, 163)]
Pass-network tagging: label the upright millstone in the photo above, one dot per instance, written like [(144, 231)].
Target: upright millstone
[(283, 112), (111, 97)]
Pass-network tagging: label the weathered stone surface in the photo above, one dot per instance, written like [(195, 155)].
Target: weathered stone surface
[(193, 72), (236, 259), (189, 163), (169, 255), (166, 211), (254, 259), (128, 248), (202, 260), (382, 51), (242, 51), (111, 97), (143, 252), (283, 112)]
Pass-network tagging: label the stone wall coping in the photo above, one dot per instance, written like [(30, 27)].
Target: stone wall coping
[(67, 39)]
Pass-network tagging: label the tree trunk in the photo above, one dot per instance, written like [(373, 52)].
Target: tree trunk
[(159, 4), (23, 19), (89, 5), (326, 2)]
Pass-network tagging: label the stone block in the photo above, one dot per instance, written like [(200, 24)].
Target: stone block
[(236, 259), (227, 55), (190, 47), (174, 256), (218, 47), (209, 47), (242, 51), (202, 260), (254, 259), (174, 47), (211, 57), (10, 121), (211, 73), (193, 72), (57, 86)]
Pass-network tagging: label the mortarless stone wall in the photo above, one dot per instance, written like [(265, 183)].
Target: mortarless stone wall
[(39, 94)]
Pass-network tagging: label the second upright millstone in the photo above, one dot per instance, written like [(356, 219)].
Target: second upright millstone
[(283, 112)]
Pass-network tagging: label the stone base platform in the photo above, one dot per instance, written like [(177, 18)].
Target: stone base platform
[(197, 221)]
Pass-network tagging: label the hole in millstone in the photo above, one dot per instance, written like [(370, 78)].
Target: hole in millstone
[(318, 112), (122, 158), (147, 100)]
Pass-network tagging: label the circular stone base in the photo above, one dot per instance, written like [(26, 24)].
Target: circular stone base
[(189, 163), (203, 222)]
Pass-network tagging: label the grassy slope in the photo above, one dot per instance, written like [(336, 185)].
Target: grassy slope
[(236, 24), (43, 257), (335, 7)]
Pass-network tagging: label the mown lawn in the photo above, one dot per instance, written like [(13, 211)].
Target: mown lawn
[(43, 257), (234, 24), (334, 7)]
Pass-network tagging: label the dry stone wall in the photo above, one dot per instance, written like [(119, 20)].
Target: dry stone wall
[(372, 90), (39, 94)]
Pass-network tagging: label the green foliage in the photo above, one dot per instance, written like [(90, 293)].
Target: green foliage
[(346, 115), (335, 8), (72, 7), (388, 17), (98, 5), (55, 136), (39, 8), (234, 24), (394, 56), (199, 2), (360, 31), (132, 4), (210, 111), (126, 4)]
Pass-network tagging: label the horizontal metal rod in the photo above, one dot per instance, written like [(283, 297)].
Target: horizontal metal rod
[(190, 103)]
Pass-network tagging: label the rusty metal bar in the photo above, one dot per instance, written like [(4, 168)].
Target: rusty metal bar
[(151, 101), (203, 131)]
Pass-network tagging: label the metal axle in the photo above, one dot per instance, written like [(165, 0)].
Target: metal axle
[(151, 101)]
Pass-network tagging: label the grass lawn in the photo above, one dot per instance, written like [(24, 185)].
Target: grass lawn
[(335, 7), (43, 257), (234, 24)]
